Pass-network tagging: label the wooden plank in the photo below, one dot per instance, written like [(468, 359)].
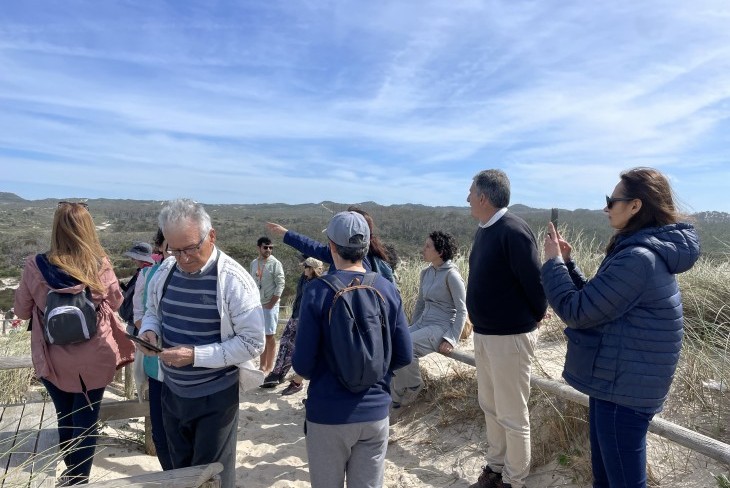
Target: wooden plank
[(47, 456), (126, 409), (712, 448), (12, 415), (19, 465), (206, 476), (15, 362)]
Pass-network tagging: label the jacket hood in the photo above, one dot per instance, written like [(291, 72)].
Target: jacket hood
[(677, 244), (56, 278), (446, 266)]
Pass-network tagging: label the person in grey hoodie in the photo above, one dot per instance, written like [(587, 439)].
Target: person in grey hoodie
[(439, 315), (625, 325)]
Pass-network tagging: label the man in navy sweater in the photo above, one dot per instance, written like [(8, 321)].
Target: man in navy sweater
[(505, 301), (347, 433)]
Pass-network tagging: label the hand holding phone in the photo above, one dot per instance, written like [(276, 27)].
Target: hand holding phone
[(554, 217), (143, 343)]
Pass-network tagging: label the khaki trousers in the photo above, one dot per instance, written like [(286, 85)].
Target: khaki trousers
[(503, 366)]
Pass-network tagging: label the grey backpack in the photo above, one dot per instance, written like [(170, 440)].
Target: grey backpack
[(69, 318)]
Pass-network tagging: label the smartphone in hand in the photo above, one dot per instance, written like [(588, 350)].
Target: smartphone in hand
[(554, 217), (143, 343)]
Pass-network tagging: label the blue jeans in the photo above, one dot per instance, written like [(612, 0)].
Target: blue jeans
[(618, 445), (77, 433)]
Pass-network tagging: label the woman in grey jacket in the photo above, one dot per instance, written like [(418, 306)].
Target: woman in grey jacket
[(439, 315), (624, 326)]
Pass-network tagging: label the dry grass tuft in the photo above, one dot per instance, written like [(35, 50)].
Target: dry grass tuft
[(15, 383), (453, 395), (448, 397), (560, 433)]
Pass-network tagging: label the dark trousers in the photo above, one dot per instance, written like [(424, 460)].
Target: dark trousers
[(618, 445), (77, 432), (203, 430), (159, 438)]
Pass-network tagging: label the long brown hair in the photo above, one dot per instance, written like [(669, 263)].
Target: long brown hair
[(377, 248), (658, 207), (75, 246)]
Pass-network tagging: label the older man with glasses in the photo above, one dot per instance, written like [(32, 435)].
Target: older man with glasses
[(269, 275), (204, 311)]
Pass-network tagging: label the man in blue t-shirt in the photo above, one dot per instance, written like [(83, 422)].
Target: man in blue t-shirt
[(347, 433)]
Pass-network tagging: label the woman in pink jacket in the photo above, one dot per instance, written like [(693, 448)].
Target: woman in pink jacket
[(75, 375)]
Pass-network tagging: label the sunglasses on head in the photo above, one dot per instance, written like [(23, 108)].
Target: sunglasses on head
[(85, 205), (611, 200)]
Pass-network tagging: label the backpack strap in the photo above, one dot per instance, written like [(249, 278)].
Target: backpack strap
[(369, 279), (87, 290), (333, 282)]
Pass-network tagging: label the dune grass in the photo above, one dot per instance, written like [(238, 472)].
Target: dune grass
[(14, 383)]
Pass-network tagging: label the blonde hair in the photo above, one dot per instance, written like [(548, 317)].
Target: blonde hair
[(75, 246)]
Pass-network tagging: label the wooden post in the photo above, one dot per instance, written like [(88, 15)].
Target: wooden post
[(149, 446), (129, 381), (712, 448)]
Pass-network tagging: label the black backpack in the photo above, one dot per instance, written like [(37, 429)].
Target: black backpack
[(359, 335), (126, 309), (69, 318)]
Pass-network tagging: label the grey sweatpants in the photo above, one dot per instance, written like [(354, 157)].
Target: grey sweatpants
[(356, 451), (425, 340)]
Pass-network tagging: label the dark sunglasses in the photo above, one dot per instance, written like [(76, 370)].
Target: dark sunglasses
[(85, 205), (266, 247), (610, 201)]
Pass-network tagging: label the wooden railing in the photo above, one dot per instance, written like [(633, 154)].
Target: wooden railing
[(712, 448)]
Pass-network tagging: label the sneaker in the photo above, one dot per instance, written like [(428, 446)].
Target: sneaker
[(490, 479), (292, 388), (272, 380)]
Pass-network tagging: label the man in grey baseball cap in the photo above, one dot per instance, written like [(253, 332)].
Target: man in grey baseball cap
[(350, 230), (347, 433)]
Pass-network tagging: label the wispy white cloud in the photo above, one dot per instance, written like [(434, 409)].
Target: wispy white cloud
[(353, 101)]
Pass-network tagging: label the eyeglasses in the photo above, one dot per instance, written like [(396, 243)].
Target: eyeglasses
[(267, 247), (611, 200), (85, 205), (188, 251)]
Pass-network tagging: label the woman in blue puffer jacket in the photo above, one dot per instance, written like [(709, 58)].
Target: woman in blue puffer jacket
[(624, 326)]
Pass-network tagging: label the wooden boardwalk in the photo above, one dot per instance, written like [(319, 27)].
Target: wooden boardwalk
[(28, 445)]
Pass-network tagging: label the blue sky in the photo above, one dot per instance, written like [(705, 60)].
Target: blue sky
[(352, 101)]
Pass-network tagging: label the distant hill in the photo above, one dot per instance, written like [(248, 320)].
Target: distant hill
[(6, 197), (25, 227)]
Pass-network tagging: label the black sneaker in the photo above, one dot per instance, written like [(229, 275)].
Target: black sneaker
[(272, 380), (490, 479), (293, 388)]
